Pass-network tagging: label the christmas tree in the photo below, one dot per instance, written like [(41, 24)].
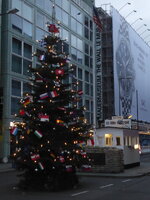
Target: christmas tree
[(48, 141)]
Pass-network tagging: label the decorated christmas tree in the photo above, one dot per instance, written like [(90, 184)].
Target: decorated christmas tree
[(48, 142)]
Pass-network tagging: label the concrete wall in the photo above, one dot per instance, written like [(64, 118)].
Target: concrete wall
[(131, 156), (113, 159)]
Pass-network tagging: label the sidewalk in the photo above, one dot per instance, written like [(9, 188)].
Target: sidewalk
[(138, 171), (134, 172)]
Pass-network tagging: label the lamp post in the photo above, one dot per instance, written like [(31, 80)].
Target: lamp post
[(141, 27), (124, 5), (11, 11), (133, 11), (136, 21)]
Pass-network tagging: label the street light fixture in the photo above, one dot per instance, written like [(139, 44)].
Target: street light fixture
[(136, 21), (130, 13), (11, 11), (141, 27), (124, 6), (144, 31)]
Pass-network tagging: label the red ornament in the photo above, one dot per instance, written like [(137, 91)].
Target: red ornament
[(61, 158), (53, 29), (22, 112), (59, 72)]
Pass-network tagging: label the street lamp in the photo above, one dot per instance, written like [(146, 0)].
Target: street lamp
[(11, 11), (144, 31), (124, 6), (130, 13), (141, 27), (136, 21)]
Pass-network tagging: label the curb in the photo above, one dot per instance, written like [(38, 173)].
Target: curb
[(112, 175)]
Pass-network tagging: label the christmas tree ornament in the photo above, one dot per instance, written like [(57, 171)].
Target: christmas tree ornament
[(38, 134), (14, 131)]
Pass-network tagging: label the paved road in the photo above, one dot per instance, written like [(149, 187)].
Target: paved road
[(90, 188)]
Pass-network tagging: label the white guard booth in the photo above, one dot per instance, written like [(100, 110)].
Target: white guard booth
[(118, 133)]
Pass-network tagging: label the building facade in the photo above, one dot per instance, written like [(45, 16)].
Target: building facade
[(104, 67), (19, 35)]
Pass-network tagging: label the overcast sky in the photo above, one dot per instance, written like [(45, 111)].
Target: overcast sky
[(142, 8)]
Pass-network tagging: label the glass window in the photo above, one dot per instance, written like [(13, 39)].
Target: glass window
[(87, 104), (74, 54), (27, 28), (87, 89), (16, 46), (108, 139), (86, 21), (91, 51), (40, 3), (86, 32), (17, 23), (91, 78), (40, 20), (66, 48), (91, 36), (48, 6), (65, 17), (91, 63), (65, 5), (79, 44), (73, 10), (14, 105), (87, 76), (80, 104), (58, 13), (26, 65), (16, 64), (39, 34), (16, 88), (91, 106), (91, 91), (79, 73), (86, 60), (27, 12), (80, 86), (79, 57), (76, 13), (65, 34), (73, 41), (118, 141), (16, 4), (27, 88), (79, 28), (58, 2), (27, 51), (73, 24), (91, 25), (86, 48)]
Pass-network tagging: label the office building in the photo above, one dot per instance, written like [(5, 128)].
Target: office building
[(19, 35)]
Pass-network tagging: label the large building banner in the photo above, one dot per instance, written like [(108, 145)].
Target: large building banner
[(131, 70)]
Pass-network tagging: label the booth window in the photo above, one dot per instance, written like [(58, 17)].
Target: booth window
[(118, 141), (108, 139)]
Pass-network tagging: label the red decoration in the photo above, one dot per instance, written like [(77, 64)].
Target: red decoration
[(22, 112), (35, 157), (53, 29), (59, 72), (61, 158), (80, 92)]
